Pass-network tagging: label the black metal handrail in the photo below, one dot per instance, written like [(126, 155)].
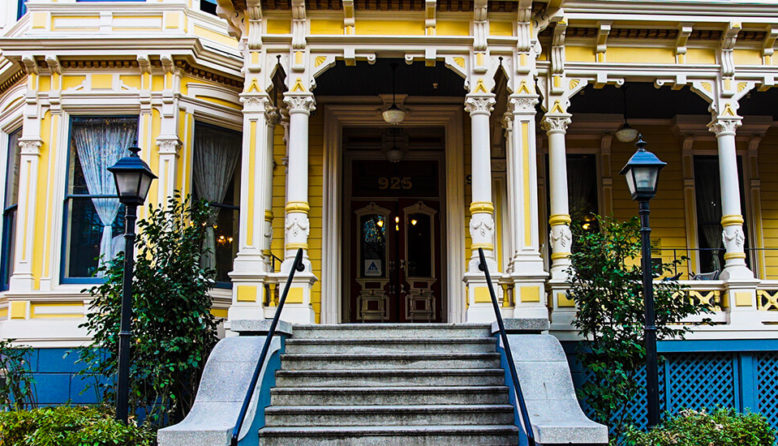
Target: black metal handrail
[(296, 266), (508, 355)]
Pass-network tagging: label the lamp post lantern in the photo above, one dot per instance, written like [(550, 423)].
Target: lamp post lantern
[(642, 173), (133, 178)]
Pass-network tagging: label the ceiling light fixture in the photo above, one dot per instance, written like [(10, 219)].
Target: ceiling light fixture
[(625, 133), (393, 115)]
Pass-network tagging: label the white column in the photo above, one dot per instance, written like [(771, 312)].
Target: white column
[(731, 216), (527, 270), (480, 308), (249, 270), (559, 215), (22, 277), (169, 144), (298, 307), (272, 117)]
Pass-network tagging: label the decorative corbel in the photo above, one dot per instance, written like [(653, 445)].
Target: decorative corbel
[(768, 46), (430, 20), (53, 63), (167, 63), (226, 10), (558, 47), (30, 65), (349, 20), (684, 31), (144, 63), (298, 24), (524, 26), (480, 25), (602, 40), (728, 40), (254, 16)]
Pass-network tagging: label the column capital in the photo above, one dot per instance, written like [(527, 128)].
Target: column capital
[(300, 103), (255, 102), (30, 146), (724, 125), (272, 115), (556, 123), (480, 104), (522, 104), (168, 145)]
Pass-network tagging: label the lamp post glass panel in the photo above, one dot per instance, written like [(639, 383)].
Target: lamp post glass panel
[(642, 174), (133, 178)]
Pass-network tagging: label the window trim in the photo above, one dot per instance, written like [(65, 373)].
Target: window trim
[(63, 279)]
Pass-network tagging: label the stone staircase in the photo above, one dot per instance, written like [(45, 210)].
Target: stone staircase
[(382, 384)]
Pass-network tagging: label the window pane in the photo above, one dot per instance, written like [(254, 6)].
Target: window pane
[(419, 245), (9, 209), (372, 245), (94, 224)]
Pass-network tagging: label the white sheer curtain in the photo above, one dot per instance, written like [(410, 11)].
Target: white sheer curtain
[(100, 142), (216, 153)]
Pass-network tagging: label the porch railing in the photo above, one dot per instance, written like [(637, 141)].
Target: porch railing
[(684, 256), (296, 266), (508, 355)]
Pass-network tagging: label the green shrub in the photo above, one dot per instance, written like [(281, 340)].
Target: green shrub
[(173, 330), (724, 427), (69, 426), (17, 387)]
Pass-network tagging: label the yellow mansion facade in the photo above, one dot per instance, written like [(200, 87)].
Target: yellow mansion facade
[(390, 139)]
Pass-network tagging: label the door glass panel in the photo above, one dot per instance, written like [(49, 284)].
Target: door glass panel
[(372, 241), (419, 245)]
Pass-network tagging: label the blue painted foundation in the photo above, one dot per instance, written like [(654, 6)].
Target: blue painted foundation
[(54, 371), (742, 374)]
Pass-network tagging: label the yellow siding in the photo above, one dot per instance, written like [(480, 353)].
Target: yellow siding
[(315, 188), (467, 144), (768, 163), (668, 224), (41, 189)]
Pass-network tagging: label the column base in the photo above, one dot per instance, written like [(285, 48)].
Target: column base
[(21, 282), (530, 295), (248, 288), (297, 307), (736, 272), (562, 307), (740, 302), (480, 308)]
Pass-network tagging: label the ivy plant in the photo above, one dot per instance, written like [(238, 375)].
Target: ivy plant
[(606, 285), (17, 386), (173, 330)]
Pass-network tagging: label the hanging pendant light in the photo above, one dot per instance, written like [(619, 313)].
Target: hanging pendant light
[(393, 115), (625, 133)]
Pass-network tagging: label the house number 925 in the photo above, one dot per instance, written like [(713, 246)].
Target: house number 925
[(396, 183)]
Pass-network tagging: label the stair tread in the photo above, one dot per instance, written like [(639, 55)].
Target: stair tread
[(436, 429), (424, 355), (457, 340), (392, 408), (390, 389), (384, 372), (389, 326)]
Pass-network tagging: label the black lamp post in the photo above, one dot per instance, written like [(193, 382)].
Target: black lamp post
[(133, 179), (642, 173)]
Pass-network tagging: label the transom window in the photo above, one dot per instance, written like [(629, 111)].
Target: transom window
[(93, 214), (9, 208)]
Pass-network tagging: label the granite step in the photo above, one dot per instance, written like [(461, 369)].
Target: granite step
[(392, 360), (389, 435), (395, 331), (393, 415), (390, 377), (355, 396), (387, 345)]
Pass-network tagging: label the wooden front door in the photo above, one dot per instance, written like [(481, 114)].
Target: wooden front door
[(394, 228)]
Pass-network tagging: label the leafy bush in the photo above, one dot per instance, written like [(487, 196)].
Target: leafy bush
[(606, 285), (17, 387), (173, 330), (724, 427), (69, 426)]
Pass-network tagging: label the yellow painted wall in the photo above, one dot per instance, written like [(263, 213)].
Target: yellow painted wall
[(668, 223), (315, 188), (41, 204), (768, 165)]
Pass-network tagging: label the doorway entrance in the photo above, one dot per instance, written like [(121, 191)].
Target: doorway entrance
[(393, 255)]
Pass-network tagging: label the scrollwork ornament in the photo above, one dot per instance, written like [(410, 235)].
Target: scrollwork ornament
[(297, 227), (561, 238), (482, 228), (734, 238)]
